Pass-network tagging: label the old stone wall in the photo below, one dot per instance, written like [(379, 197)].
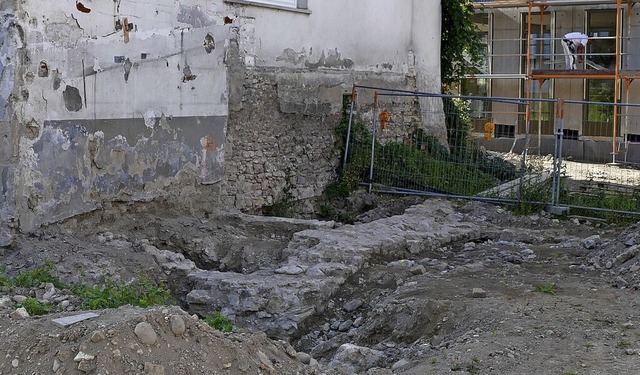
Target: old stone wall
[(281, 137)]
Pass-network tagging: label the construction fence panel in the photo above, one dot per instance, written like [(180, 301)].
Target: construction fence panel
[(599, 157), (441, 157)]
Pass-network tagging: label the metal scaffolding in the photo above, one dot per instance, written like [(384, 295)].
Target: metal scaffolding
[(531, 75)]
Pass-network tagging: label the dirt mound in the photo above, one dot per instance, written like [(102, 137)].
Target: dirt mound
[(128, 340)]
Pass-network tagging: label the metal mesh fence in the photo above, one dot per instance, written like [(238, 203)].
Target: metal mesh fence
[(440, 156), (599, 164)]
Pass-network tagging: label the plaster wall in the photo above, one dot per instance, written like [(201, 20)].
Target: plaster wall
[(115, 100), (358, 36), (9, 41), (211, 104)]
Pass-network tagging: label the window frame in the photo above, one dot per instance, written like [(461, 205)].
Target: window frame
[(542, 115), (301, 6)]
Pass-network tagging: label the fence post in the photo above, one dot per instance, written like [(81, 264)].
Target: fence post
[(557, 160), (373, 136), (346, 146)]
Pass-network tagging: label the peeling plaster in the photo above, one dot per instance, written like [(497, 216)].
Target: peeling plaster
[(194, 16), (72, 99), (292, 57), (333, 59)]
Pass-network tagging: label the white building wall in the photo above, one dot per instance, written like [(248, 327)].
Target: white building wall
[(121, 100)]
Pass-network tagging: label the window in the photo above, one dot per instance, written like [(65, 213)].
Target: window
[(291, 4), (282, 3), (601, 28), (480, 110), (540, 54), (481, 23), (540, 58), (599, 116)]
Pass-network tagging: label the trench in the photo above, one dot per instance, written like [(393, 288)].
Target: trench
[(366, 307)]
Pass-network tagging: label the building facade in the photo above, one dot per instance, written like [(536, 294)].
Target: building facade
[(206, 105), (525, 59)]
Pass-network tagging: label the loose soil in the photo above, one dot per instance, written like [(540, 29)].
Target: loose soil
[(477, 306)]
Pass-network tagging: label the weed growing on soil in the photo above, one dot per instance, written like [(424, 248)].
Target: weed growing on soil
[(472, 367), (109, 295), (623, 344), (219, 322), (549, 288), (35, 307), (35, 277)]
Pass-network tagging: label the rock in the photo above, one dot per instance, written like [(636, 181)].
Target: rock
[(344, 326), (177, 325), (97, 336), (86, 365), (265, 360), (145, 333), (19, 298), (478, 293), (401, 263), (56, 365), (153, 369), (630, 241), (418, 270), (627, 255), (589, 243), (116, 355), (6, 302), (19, 313), (82, 356), (303, 357), (400, 365), (290, 270), (49, 292), (356, 359), (352, 305)]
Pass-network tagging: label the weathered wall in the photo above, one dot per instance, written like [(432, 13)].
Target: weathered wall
[(206, 104), (116, 99), (285, 106), (9, 41)]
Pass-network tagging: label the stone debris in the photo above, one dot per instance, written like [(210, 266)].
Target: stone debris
[(145, 333), (177, 325), (19, 313), (389, 295)]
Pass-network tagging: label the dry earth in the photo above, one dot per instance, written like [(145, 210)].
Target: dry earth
[(466, 306)]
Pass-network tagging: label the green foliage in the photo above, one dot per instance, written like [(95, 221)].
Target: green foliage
[(219, 322), (283, 206), (34, 277), (623, 344), (110, 294), (549, 288), (531, 198), (459, 39), (35, 307), (606, 200)]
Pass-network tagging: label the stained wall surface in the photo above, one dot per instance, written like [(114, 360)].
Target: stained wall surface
[(223, 103)]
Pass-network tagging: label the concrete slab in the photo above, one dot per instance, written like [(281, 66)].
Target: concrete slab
[(557, 210), (68, 320)]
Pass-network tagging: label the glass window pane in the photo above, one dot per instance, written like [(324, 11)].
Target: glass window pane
[(601, 27), (284, 3)]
